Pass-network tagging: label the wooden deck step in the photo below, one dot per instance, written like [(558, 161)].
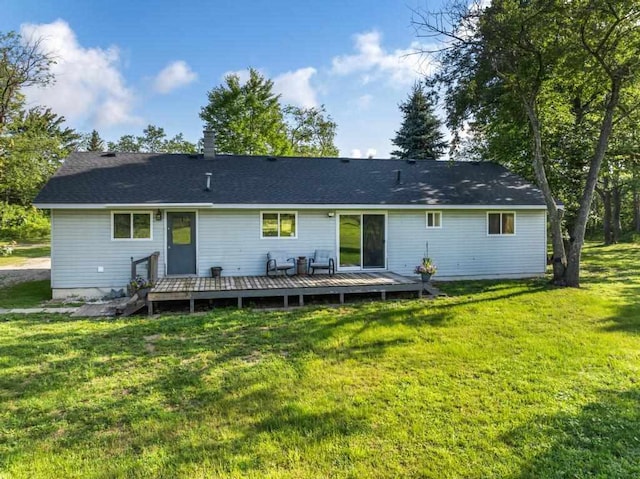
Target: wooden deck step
[(134, 305)]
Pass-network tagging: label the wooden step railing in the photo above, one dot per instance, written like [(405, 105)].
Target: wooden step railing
[(151, 262)]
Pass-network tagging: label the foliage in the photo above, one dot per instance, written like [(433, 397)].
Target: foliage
[(7, 249), (426, 267), (561, 76), (139, 283), (248, 119), (501, 379), (153, 140), (125, 144), (32, 141), (22, 223), (419, 135), (31, 150), (93, 142), (310, 133), (22, 64)]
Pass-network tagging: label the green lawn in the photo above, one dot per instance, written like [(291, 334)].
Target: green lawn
[(29, 294), (502, 379), (22, 252)]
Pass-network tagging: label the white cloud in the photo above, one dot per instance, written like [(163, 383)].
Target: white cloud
[(363, 102), (174, 75), (295, 87), (356, 153), (400, 67), (371, 152), (88, 83)]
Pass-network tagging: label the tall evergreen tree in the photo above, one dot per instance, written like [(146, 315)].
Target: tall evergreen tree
[(95, 143), (419, 136)]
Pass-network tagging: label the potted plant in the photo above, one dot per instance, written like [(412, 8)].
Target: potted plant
[(426, 269), (141, 286)]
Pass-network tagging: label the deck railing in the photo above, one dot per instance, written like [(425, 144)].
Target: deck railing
[(151, 263)]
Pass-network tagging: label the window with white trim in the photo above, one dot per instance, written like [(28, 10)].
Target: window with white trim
[(279, 224), (127, 226), (502, 223), (434, 219)]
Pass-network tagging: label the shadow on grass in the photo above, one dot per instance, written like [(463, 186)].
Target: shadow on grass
[(627, 315), (601, 440), (255, 360)]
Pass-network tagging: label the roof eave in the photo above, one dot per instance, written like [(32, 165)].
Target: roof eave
[(298, 206)]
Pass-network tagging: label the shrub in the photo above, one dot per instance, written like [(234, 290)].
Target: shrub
[(23, 223), (7, 249)]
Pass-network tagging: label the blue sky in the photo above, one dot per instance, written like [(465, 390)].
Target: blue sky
[(125, 64)]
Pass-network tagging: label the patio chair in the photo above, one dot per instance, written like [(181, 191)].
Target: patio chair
[(280, 261), (322, 259)]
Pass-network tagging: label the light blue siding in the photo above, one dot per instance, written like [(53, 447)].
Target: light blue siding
[(231, 239), (461, 248), (81, 242)]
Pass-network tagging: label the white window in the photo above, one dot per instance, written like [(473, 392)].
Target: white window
[(434, 219), (281, 224), (503, 223), (131, 226)]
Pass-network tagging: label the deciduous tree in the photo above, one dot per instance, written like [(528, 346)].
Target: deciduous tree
[(246, 117), (153, 140), (544, 60), (310, 131)]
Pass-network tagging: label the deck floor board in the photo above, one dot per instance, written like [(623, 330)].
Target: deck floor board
[(172, 288)]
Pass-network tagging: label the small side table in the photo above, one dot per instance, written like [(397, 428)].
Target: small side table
[(301, 265)]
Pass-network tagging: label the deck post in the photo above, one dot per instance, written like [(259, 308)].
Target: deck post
[(341, 298), (239, 302), (286, 301), (301, 299), (150, 308), (192, 305), (420, 293), (383, 295)]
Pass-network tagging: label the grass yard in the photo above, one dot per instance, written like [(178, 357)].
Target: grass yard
[(508, 379), (29, 294)]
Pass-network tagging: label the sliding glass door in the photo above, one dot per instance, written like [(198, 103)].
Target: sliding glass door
[(361, 238)]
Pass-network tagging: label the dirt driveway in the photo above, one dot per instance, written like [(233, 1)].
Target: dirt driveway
[(32, 269)]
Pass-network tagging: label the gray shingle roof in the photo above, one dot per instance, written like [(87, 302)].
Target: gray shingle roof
[(128, 178)]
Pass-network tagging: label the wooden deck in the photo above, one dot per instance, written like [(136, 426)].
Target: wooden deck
[(191, 289)]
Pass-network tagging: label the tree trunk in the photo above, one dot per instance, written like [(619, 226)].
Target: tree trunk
[(572, 273), (616, 206), (636, 209), (605, 195), (554, 214)]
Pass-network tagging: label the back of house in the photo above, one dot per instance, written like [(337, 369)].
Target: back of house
[(475, 220)]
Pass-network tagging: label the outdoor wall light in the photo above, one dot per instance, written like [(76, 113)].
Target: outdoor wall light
[(158, 215), (331, 214)]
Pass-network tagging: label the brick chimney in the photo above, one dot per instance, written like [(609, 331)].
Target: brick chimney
[(209, 144)]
